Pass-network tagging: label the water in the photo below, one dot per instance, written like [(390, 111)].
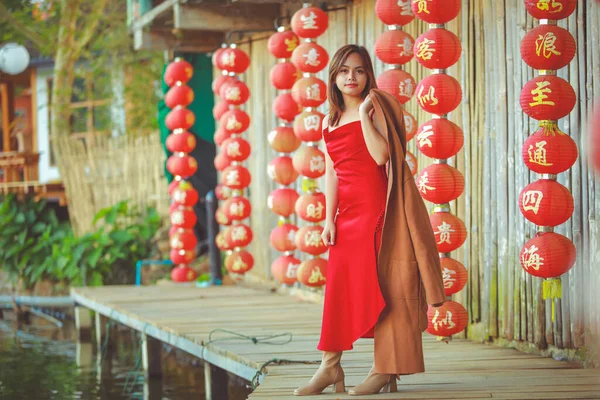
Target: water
[(40, 360)]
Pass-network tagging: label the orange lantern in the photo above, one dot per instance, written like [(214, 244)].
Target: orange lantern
[(182, 256), (440, 138), (412, 162), (440, 183), (283, 140), (281, 170), (284, 269), (220, 81), (282, 44), (311, 207), (309, 92), (283, 237), (308, 126), (185, 194), (183, 239), (410, 125), (310, 162), (184, 166), (235, 121), (548, 47), (237, 208), (436, 11), (309, 22), (183, 142), (180, 118), (450, 232), (546, 202), (310, 57), (394, 12), (455, 275), (219, 109), (234, 92), (549, 151), (184, 217), (550, 9), (237, 149), (439, 94), (222, 218), (548, 255), (179, 95), (183, 273), (239, 262), (437, 48), (282, 200), (284, 75), (178, 71), (399, 83), (222, 192), (394, 47), (447, 320), (285, 107), (308, 240), (234, 60), (312, 272), (236, 177), (239, 235), (222, 161), (547, 97)]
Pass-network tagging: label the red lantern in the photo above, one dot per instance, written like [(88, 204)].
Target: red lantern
[(222, 161), (547, 97), (412, 162), (222, 218), (550, 9), (178, 71), (447, 320), (436, 11), (185, 194), (216, 55), (220, 136), (450, 232), (179, 95), (284, 269), (455, 275), (312, 272), (440, 183), (548, 255), (182, 256), (219, 109), (439, 94), (309, 92), (218, 82), (184, 239), (549, 151), (309, 22), (310, 162), (546, 202), (548, 47), (183, 273), (282, 44), (440, 138), (237, 208), (172, 186), (239, 262), (234, 92), (222, 244), (237, 149), (283, 140), (285, 107), (399, 83), (281, 201), (234, 60), (236, 177), (307, 126), (184, 217), (235, 121), (284, 75), (410, 125), (184, 166), (308, 240), (222, 192), (394, 47), (180, 118), (394, 12), (311, 207), (310, 57), (437, 48), (283, 237), (239, 235), (183, 142), (281, 170)]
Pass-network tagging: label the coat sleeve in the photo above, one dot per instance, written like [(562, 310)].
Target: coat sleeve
[(423, 240)]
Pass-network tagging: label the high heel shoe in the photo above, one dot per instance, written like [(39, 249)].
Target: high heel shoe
[(330, 373), (374, 383)]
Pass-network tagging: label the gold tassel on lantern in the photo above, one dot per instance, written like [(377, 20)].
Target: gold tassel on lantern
[(552, 289)]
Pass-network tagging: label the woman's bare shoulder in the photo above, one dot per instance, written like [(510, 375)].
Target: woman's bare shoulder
[(325, 122)]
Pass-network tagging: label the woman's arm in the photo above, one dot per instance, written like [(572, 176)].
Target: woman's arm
[(331, 196), (376, 143)]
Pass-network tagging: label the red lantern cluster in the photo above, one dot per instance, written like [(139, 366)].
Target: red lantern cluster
[(234, 150), (441, 139), (183, 195), (548, 151)]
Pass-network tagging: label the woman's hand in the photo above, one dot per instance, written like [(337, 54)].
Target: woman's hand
[(328, 234), (366, 106)]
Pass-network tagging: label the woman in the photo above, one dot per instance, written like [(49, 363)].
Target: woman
[(382, 251)]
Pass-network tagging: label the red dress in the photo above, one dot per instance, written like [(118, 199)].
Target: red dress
[(353, 299)]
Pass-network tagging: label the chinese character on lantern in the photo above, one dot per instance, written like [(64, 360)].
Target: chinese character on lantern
[(311, 123), (313, 92), (238, 233), (427, 98), (233, 149), (545, 45), (531, 259), (437, 322), (423, 136), (539, 94), (424, 51), (237, 209), (538, 156), (544, 5), (308, 21), (312, 238), (532, 200), (233, 178), (444, 230), (406, 48), (448, 278), (313, 211), (317, 163), (233, 123), (291, 44), (312, 58), (406, 8), (422, 6), (292, 271), (239, 264), (232, 93), (423, 181), (406, 88), (316, 276), (228, 59)]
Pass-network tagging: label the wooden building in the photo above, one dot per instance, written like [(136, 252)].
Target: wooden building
[(504, 303)]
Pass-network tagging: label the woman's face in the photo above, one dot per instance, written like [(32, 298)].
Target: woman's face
[(352, 79)]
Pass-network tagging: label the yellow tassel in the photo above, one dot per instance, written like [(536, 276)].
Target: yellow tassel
[(308, 185), (552, 289)]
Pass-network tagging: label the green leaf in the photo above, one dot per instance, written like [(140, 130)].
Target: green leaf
[(121, 237)]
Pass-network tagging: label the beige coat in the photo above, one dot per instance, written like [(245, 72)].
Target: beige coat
[(409, 270)]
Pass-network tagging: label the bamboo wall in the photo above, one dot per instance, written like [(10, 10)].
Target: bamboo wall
[(502, 300)]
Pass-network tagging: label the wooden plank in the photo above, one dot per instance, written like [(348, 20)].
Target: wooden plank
[(156, 12), (238, 17)]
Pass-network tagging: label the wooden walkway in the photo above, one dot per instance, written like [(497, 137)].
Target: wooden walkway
[(185, 316)]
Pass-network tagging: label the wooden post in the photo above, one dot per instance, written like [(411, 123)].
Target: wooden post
[(83, 324), (151, 349), (215, 382), (84, 354)]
